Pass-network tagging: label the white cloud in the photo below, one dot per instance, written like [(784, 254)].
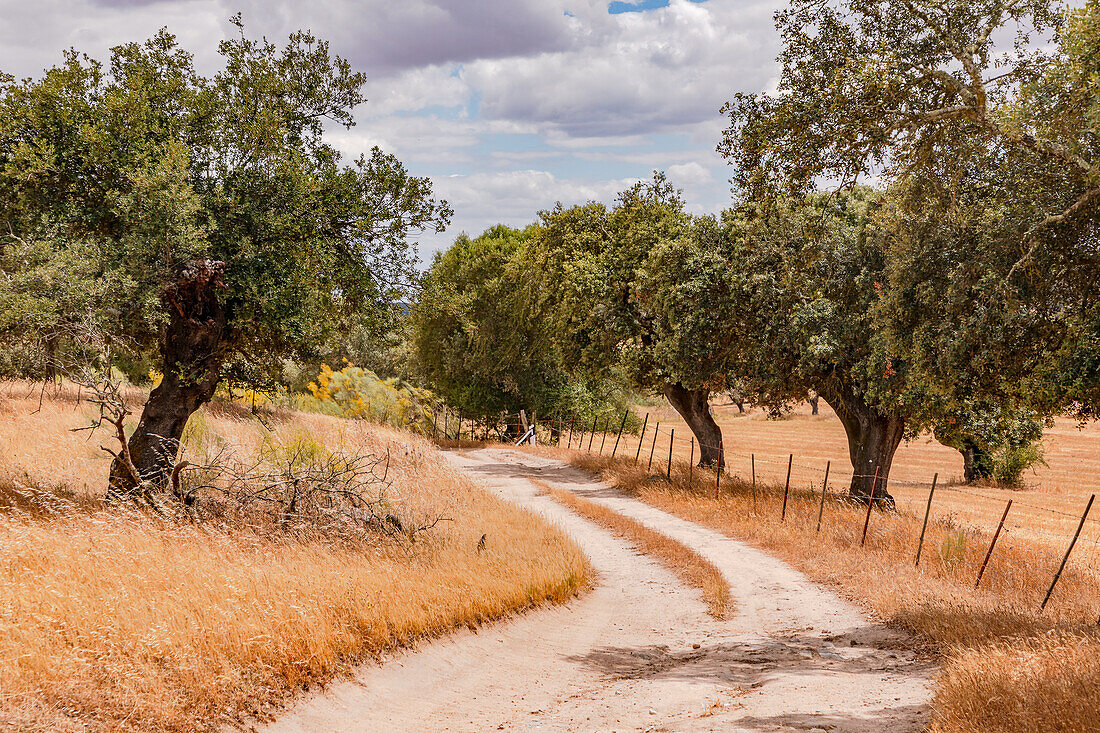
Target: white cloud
[(600, 99), (481, 200), (635, 73), (689, 174)]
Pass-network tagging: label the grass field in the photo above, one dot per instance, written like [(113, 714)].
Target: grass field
[(1046, 510), (111, 619)]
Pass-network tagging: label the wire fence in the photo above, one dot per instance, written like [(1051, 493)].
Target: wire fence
[(973, 527)]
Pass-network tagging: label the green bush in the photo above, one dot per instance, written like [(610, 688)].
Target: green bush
[(1011, 461)]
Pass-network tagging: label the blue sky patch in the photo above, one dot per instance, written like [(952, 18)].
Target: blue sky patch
[(637, 6)]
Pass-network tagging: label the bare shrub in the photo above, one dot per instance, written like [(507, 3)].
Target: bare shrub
[(298, 486)]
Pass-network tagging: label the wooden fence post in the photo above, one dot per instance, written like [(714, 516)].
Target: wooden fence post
[(824, 488), (620, 435), (787, 487), (992, 544), (641, 438), (870, 505), (927, 511), (656, 431), (671, 435), (592, 434), (1068, 550), (691, 461)]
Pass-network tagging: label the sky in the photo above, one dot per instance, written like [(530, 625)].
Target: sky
[(507, 105)]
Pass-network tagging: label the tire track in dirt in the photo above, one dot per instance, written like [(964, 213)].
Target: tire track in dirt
[(639, 652)]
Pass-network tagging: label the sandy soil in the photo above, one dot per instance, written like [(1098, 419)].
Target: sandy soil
[(639, 653)]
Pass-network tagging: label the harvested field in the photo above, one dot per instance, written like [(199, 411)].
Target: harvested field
[(1046, 510)]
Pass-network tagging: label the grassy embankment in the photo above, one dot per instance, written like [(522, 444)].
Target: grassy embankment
[(1007, 667), (115, 620)]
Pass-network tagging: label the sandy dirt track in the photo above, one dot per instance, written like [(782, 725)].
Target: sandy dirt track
[(639, 653)]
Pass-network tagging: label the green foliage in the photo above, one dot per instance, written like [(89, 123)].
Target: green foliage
[(998, 440), (117, 174), (597, 265), (989, 154), (484, 337), (1011, 461)]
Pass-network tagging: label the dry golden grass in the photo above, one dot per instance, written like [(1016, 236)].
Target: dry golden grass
[(983, 634), (1023, 685), (692, 567), (112, 620)]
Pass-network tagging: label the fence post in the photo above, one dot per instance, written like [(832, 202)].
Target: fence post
[(603, 436), (569, 443), (753, 458), (653, 445), (1068, 550), (592, 434), (927, 511), (824, 488), (787, 487), (620, 435), (641, 438), (992, 544), (718, 475), (671, 435), (691, 461), (870, 505)]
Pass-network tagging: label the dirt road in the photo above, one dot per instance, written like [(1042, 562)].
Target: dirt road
[(639, 653)]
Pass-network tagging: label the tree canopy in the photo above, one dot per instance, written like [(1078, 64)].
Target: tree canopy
[(218, 222), (597, 268), (483, 335)]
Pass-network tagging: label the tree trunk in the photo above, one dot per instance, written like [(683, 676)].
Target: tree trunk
[(49, 366), (694, 406), (813, 400), (872, 440), (977, 462), (193, 349)]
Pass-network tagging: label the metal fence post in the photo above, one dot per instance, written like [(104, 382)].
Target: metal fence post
[(824, 488), (641, 438), (653, 445), (671, 435), (787, 487), (620, 435), (1068, 550), (992, 544), (927, 511), (870, 505), (691, 461)]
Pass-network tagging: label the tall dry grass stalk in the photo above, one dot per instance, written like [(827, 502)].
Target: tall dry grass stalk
[(1007, 666), (114, 620)]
